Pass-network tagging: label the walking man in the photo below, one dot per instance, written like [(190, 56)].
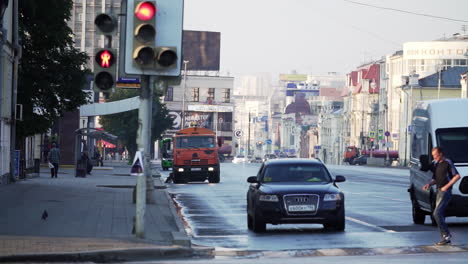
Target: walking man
[(54, 158), (445, 175)]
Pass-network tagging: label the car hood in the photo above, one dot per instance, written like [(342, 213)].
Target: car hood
[(288, 188)]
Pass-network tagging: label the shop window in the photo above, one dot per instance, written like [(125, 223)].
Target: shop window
[(195, 94)]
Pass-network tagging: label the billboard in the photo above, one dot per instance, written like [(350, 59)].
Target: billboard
[(202, 50)]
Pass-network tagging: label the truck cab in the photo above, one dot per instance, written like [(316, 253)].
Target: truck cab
[(442, 123), (195, 156)]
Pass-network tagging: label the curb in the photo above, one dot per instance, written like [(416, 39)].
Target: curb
[(342, 252), (102, 256)]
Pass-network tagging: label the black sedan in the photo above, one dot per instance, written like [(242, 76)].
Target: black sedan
[(287, 191)]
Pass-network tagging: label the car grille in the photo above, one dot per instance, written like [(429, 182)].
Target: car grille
[(464, 185), (301, 204), (196, 162)]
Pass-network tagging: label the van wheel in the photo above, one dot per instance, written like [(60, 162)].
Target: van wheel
[(418, 215)]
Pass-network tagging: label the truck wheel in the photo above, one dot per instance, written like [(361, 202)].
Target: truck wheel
[(179, 178), (214, 178)]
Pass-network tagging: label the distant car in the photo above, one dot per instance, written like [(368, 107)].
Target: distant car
[(239, 159), (269, 157), (361, 160), (287, 191), (291, 156), (256, 160)]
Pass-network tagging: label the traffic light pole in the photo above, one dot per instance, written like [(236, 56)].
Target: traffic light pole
[(143, 119)]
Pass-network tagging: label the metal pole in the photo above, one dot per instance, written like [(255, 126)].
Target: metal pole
[(438, 86), (141, 140), (183, 93), (147, 142), (248, 138)]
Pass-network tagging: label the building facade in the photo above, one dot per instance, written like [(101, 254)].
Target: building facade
[(208, 102)]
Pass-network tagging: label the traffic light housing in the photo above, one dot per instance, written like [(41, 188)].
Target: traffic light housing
[(153, 37), (105, 59)]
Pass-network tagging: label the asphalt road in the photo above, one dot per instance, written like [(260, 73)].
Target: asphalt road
[(378, 214)]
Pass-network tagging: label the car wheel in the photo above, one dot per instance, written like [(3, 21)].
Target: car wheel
[(418, 215), (249, 222), (339, 224), (259, 225)]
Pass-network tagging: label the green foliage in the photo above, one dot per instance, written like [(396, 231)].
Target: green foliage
[(51, 71), (125, 125)]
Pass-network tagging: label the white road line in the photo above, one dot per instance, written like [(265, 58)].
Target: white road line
[(377, 196), (369, 225)]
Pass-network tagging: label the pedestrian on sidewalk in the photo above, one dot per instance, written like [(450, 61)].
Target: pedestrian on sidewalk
[(445, 175), (54, 158)]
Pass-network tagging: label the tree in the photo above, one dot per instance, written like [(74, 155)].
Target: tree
[(51, 71), (125, 125)]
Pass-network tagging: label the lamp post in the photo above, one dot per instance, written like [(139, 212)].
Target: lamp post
[(183, 93)]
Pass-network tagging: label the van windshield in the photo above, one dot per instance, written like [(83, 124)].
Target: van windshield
[(454, 142)]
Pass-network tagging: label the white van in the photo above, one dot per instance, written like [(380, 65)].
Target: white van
[(442, 123)]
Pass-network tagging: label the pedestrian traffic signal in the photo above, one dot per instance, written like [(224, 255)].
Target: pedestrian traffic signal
[(153, 35), (104, 70), (104, 61)]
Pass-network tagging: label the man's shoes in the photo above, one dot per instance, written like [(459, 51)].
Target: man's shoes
[(444, 242)]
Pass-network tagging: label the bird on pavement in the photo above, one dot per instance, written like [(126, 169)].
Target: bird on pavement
[(45, 215)]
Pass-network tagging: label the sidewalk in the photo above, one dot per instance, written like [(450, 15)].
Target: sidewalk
[(88, 219)]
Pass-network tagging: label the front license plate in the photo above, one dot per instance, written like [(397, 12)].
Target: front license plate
[(301, 208), (196, 169)]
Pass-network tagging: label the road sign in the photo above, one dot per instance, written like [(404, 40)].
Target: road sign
[(238, 133), (317, 147), (268, 141), (387, 133), (372, 134)]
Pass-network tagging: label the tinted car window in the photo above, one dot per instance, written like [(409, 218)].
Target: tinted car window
[(307, 173)]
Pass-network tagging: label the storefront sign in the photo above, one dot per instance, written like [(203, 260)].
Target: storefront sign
[(211, 108)]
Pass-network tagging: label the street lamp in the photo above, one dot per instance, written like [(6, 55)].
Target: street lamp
[(183, 93)]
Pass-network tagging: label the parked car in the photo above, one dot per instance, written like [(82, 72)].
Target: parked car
[(288, 191), (239, 159), (269, 157)]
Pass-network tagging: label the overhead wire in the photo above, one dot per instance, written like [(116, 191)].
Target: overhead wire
[(405, 11)]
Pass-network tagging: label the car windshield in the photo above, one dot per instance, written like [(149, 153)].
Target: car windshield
[(195, 142), (307, 173), (454, 142)]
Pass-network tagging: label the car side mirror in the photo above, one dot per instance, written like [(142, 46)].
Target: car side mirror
[(340, 178), (424, 162), (252, 179)]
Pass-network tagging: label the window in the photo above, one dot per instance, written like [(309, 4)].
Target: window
[(304, 173), (227, 95), (195, 94), (454, 141), (211, 94), (169, 94)]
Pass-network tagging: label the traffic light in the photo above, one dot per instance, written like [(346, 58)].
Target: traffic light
[(104, 70), (153, 32), (104, 60)]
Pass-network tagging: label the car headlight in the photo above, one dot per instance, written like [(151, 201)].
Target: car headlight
[(332, 197), (268, 198), (181, 169), (210, 169)]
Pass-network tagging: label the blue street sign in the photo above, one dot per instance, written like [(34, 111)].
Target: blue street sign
[(128, 80), (268, 141), (317, 147)]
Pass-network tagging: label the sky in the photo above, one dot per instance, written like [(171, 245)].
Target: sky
[(317, 36)]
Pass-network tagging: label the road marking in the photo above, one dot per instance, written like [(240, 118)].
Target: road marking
[(377, 196), (369, 225)]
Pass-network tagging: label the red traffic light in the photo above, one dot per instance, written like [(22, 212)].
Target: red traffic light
[(145, 11), (371, 140), (105, 58)]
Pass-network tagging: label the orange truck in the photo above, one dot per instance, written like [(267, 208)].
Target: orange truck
[(195, 156)]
